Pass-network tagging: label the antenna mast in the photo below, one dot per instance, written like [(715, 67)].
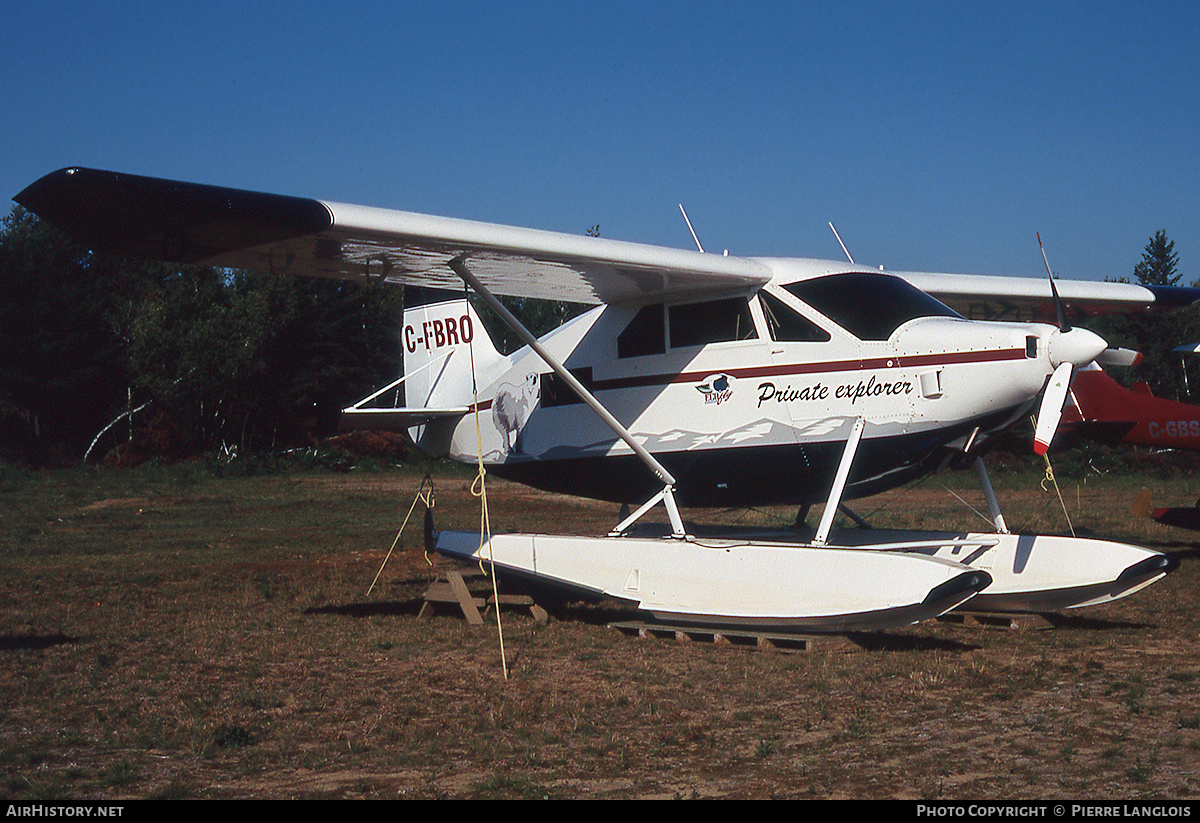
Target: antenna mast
[(843, 245), (695, 239)]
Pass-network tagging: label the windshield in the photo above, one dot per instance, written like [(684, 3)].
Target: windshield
[(869, 306)]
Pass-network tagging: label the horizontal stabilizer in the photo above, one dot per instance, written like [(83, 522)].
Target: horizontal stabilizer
[(394, 419)]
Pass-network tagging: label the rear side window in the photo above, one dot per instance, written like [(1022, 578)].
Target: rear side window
[(691, 324), (715, 321), (645, 334)]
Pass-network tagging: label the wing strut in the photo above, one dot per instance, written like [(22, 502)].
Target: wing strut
[(990, 496), (839, 482), (458, 265)]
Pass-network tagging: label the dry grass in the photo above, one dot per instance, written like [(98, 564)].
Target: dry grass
[(165, 633)]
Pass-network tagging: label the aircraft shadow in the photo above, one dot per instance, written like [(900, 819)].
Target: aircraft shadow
[(579, 612), (1180, 551), (390, 608), (883, 641), (30, 642), (602, 613), (1075, 622)]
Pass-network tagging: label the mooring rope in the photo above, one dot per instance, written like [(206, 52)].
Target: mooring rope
[(427, 498), (1049, 477), (479, 489)]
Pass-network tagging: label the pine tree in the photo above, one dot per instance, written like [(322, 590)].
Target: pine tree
[(1155, 334), (1157, 266)]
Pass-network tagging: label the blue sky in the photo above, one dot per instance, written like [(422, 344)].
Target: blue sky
[(935, 136)]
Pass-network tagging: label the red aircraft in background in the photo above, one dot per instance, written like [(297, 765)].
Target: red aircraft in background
[(1099, 408)]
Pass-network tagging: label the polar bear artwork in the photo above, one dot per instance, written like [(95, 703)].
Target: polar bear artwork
[(511, 409)]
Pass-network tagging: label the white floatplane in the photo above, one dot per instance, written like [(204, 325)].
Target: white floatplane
[(696, 380)]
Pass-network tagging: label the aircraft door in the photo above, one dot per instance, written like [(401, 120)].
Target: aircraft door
[(799, 388)]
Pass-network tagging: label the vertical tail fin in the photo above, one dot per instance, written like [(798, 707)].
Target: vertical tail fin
[(443, 341)]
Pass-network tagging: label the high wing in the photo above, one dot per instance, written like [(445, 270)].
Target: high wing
[(192, 223), (1027, 299)]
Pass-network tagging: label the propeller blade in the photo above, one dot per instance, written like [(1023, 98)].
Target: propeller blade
[(1119, 357), (1051, 410), (1060, 313)]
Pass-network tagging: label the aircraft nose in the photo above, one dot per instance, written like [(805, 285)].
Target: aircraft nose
[(1076, 346)]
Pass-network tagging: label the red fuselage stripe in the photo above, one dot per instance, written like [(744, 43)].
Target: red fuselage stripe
[(948, 358)]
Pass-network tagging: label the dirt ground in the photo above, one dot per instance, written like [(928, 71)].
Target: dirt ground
[(219, 641)]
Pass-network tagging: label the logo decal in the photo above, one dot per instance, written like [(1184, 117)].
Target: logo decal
[(716, 388)]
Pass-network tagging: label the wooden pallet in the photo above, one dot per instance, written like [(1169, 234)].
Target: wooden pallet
[(452, 588), (765, 641)]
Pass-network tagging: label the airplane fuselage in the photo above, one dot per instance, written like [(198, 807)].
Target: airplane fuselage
[(749, 398)]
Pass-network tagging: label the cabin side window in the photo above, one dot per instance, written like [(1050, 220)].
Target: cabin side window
[(786, 325), (645, 334), (691, 324), (715, 321)]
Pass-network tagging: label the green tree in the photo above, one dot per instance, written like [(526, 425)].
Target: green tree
[(1158, 263), (1155, 334), (213, 356), (261, 360), (61, 364), (196, 343), (341, 341)]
